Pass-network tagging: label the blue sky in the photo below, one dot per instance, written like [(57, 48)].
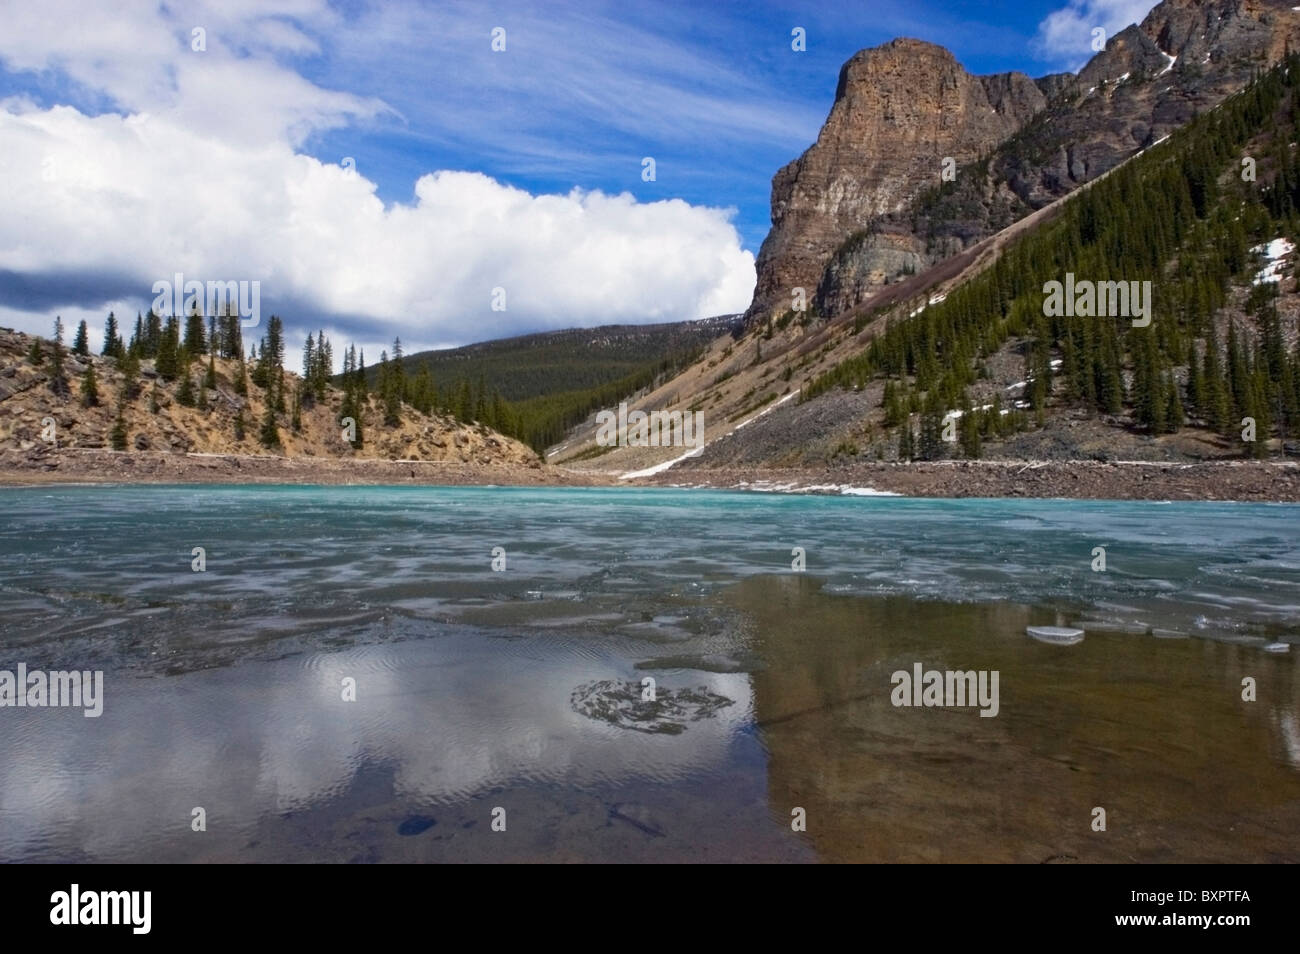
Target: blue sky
[(712, 91), (137, 149)]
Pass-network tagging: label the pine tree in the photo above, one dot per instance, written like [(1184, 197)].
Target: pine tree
[(129, 365), (241, 425), (968, 433), (296, 420), (58, 382), (81, 343), (113, 347), (153, 334), (138, 342), (392, 404), (1175, 418), (269, 435), (168, 363), (309, 360), (34, 354), (195, 338), (1216, 411), (89, 387), (241, 382), (906, 444), (118, 436), (185, 394)]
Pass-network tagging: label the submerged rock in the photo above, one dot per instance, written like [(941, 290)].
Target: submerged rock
[(624, 704), (416, 824)]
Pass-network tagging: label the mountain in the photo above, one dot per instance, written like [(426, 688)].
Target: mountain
[(535, 387), (899, 110), (1206, 214), (866, 206), (527, 366)]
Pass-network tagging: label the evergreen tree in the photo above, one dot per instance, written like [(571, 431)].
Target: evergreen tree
[(81, 343), (185, 394), (210, 379), (89, 387), (1175, 417), (168, 363), (153, 334), (392, 404), (58, 382), (130, 368), (195, 338), (1216, 410), (118, 436), (113, 347), (309, 360), (34, 354), (906, 444), (138, 338), (269, 434), (241, 424)]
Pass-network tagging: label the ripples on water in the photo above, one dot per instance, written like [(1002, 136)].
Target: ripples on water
[(522, 686)]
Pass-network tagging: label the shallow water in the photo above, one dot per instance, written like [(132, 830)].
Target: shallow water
[(523, 689)]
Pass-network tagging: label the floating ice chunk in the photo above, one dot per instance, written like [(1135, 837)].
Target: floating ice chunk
[(1056, 635)]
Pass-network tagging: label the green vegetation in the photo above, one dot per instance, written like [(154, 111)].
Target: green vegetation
[(89, 388), (117, 437), (1181, 217), (535, 387), (81, 341)]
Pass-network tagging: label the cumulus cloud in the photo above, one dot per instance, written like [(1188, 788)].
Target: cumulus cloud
[(1065, 35), (195, 165)]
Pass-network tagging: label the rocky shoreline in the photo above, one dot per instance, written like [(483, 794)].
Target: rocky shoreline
[(95, 465), (1083, 479), (1277, 481)]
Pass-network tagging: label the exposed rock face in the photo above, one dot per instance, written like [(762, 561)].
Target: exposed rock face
[(860, 209), (899, 110)]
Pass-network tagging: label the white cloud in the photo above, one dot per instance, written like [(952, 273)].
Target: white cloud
[(1065, 35), (196, 169)]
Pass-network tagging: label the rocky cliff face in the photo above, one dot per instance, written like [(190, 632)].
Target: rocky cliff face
[(862, 207), (899, 110)]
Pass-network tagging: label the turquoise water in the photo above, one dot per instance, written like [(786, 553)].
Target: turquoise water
[(105, 573), (476, 686)]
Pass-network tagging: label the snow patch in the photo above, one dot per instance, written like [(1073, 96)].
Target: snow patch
[(1275, 254), (660, 468)]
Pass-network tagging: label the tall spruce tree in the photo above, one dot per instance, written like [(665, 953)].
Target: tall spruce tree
[(81, 342)]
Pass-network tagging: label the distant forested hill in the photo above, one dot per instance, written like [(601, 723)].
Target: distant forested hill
[(535, 387)]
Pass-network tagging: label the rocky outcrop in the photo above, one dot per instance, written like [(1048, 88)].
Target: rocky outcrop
[(38, 421), (863, 206), (899, 110)]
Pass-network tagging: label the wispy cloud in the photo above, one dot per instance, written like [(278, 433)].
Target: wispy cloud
[(1065, 35)]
